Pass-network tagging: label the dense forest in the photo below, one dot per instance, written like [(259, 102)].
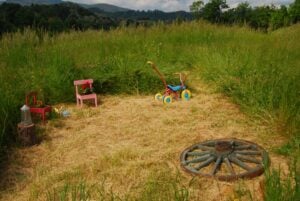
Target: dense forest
[(155, 15), (57, 18), (65, 16)]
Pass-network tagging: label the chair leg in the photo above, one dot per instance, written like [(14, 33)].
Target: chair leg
[(43, 117), (96, 102)]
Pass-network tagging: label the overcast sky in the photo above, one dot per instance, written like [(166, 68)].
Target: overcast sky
[(173, 5)]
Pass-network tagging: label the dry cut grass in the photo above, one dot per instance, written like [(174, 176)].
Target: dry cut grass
[(130, 141)]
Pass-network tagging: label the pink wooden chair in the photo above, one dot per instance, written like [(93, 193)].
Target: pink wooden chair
[(81, 97), (36, 106)]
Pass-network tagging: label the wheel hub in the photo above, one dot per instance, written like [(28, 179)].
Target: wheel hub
[(223, 148)]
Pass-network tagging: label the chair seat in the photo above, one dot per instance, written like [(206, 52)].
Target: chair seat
[(176, 88), (32, 102), (41, 110), (88, 96), (47, 108)]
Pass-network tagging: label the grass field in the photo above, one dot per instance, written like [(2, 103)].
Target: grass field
[(128, 149), (259, 72)]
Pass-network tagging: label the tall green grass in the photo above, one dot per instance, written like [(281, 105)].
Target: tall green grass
[(159, 186), (278, 188), (261, 72)]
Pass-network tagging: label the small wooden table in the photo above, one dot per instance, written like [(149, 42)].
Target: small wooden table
[(26, 134)]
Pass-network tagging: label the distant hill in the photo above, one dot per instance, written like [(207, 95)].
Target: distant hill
[(155, 15), (55, 18), (106, 14), (29, 2), (105, 7), (99, 7)]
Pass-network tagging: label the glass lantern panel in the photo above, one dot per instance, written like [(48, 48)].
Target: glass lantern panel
[(25, 115)]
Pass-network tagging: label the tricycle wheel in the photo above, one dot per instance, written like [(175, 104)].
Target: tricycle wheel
[(158, 97), (186, 95), (167, 99)]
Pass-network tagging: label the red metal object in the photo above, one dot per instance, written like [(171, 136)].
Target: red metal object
[(34, 107)]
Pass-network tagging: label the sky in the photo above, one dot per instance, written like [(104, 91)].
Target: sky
[(173, 5)]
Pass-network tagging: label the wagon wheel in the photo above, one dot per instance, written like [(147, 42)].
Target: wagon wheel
[(225, 159)]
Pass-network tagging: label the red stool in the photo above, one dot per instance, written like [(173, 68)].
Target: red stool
[(35, 108)]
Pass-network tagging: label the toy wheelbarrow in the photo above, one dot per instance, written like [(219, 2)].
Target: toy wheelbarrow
[(171, 91)]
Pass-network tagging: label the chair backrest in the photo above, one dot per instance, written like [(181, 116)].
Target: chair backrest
[(31, 95), (83, 82)]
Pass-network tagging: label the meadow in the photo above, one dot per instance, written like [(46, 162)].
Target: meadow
[(259, 72)]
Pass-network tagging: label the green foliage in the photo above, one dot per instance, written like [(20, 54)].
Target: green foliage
[(135, 17), (196, 7), (158, 186), (278, 189), (54, 18), (294, 11), (66, 16), (262, 18), (291, 148), (163, 186), (212, 11), (279, 18), (80, 191)]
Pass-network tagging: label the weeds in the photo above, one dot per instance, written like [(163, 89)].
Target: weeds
[(277, 188), (159, 186), (80, 191)]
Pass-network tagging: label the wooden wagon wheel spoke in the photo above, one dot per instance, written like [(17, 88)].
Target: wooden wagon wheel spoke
[(248, 152), (229, 166), (199, 159), (248, 159), (195, 153), (205, 163), (209, 157), (239, 163), (217, 164)]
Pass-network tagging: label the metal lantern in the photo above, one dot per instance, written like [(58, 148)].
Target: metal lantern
[(25, 115)]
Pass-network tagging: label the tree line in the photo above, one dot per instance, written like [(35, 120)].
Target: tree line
[(66, 16), (151, 15), (263, 17)]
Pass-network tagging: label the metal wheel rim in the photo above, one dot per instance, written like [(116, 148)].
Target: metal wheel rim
[(225, 159)]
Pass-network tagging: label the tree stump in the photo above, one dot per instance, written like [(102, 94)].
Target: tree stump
[(26, 134)]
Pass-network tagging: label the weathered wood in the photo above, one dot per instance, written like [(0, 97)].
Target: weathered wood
[(26, 134), (198, 159)]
